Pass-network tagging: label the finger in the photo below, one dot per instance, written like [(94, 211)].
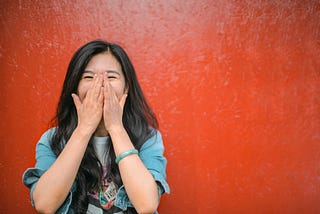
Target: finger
[(98, 83), (123, 100), (107, 86), (76, 100), (100, 98), (91, 88), (95, 80)]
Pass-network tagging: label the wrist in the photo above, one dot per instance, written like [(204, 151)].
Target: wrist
[(116, 129), (83, 132)]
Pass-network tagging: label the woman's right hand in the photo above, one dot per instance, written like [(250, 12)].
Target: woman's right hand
[(90, 108), (52, 189)]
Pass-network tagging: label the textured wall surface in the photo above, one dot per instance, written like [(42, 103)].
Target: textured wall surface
[(235, 85)]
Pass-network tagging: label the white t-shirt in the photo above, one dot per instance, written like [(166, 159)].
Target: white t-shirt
[(100, 145)]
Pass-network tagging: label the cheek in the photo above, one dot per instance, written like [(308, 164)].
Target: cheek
[(83, 89), (118, 89)]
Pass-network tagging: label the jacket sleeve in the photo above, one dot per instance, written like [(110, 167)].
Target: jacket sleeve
[(44, 159), (151, 154), (153, 158)]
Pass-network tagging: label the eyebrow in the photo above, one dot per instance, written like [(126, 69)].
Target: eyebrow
[(108, 71), (113, 72), (88, 71)]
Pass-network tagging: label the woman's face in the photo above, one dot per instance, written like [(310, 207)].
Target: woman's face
[(103, 63)]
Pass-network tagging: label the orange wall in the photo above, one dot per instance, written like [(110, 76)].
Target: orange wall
[(235, 85)]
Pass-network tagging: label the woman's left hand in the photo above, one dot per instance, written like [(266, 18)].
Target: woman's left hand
[(112, 107)]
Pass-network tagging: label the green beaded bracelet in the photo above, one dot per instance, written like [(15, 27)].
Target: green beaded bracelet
[(125, 154)]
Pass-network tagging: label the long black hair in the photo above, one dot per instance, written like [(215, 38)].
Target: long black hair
[(138, 119)]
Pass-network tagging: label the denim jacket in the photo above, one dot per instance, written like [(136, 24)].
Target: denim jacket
[(151, 154)]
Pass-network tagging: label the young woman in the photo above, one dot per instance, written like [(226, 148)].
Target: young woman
[(104, 153)]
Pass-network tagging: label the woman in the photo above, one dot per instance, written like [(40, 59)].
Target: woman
[(104, 153)]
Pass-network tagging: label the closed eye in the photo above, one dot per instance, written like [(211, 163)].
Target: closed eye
[(87, 77), (87, 74), (112, 77)]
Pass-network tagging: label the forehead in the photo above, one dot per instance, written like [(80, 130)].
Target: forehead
[(104, 61)]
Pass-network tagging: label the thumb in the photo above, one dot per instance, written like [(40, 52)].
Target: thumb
[(76, 100), (123, 100)]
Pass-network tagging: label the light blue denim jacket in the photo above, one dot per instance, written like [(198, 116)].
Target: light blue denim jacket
[(151, 154)]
